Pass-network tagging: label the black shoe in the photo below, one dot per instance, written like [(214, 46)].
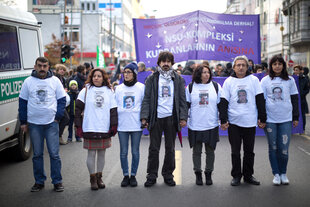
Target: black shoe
[(59, 187), (125, 181), (208, 178), (149, 182), (169, 181), (133, 181), (235, 181), (251, 180), (37, 187), (198, 178)]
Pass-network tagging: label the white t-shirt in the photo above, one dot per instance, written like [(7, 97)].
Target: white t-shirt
[(203, 113), (129, 101), (42, 96), (278, 93), (165, 97), (240, 93), (99, 101)]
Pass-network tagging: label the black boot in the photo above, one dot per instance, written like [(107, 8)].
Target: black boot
[(198, 178), (208, 178)]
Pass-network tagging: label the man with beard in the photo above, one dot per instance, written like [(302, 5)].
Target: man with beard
[(80, 76), (42, 120), (163, 114)]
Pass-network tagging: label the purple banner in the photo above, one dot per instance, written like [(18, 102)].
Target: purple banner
[(259, 132), (198, 36)]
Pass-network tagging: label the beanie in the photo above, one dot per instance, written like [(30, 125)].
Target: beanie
[(133, 67), (73, 82)]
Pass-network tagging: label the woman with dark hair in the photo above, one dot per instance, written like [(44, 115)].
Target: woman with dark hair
[(203, 96), (282, 109), (129, 96), (99, 122)]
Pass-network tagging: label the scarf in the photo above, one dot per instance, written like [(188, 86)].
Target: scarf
[(165, 74), (130, 83)]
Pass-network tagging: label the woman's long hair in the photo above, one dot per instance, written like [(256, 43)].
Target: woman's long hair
[(197, 73), (284, 73), (105, 82)]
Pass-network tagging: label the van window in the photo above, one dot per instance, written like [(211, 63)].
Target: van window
[(9, 52), (29, 39)]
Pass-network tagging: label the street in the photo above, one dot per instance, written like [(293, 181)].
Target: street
[(17, 178)]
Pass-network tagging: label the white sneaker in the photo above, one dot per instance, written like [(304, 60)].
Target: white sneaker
[(284, 179), (276, 179)]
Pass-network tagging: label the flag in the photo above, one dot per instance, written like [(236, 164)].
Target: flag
[(100, 58)]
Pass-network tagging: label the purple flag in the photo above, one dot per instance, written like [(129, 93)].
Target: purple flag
[(198, 35)]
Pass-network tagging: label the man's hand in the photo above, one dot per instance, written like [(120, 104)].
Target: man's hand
[(224, 126), (183, 123), (261, 125), (295, 123), (144, 124), (24, 128)]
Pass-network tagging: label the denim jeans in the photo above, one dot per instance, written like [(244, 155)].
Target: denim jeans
[(279, 136), (135, 145), (51, 133)]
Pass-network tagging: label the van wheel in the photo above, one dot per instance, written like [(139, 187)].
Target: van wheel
[(22, 151)]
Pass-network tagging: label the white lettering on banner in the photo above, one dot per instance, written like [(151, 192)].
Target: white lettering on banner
[(182, 49), (199, 34), (222, 22)]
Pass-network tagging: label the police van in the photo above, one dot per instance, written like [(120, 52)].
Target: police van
[(20, 45)]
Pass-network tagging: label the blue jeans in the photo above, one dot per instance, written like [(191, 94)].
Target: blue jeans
[(279, 136), (135, 144), (51, 133)]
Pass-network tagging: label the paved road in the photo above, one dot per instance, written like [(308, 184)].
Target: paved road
[(16, 180)]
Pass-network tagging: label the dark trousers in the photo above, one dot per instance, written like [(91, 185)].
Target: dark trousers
[(167, 126), (236, 135), (64, 121)]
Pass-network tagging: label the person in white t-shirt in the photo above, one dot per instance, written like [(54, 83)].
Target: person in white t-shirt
[(281, 96), (242, 107), (42, 102), (163, 109), (99, 122), (203, 125), (129, 96)]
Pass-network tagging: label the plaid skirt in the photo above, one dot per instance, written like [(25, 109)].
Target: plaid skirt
[(94, 144)]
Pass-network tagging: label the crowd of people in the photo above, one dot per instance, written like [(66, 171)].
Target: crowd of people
[(96, 106)]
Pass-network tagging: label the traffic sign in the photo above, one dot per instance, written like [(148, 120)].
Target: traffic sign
[(290, 63), (111, 66)]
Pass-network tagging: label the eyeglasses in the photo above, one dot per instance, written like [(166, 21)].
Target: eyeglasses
[(127, 72), (40, 66)]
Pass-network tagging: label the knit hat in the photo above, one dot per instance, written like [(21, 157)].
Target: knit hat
[(73, 82), (133, 67)]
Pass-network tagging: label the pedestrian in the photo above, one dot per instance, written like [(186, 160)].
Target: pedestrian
[(242, 107), (189, 68), (64, 121), (162, 113), (80, 76), (280, 115), (98, 124), (203, 120), (87, 67), (40, 114), (73, 93), (129, 96), (141, 67), (303, 81)]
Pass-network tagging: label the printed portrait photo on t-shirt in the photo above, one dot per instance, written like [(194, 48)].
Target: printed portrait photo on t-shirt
[(203, 98), (242, 96), (166, 91), (41, 95), (128, 102), (277, 93), (99, 100)]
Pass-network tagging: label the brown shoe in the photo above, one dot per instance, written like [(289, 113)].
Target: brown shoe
[(62, 142), (99, 180), (93, 182)]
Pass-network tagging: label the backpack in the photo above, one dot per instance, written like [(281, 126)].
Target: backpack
[(214, 84)]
